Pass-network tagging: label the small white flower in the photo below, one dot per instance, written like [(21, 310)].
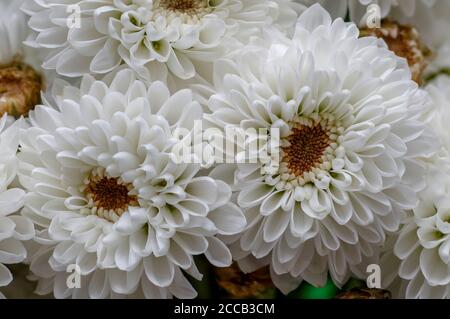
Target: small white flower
[(417, 261), (13, 228), (352, 134), (150, 36), (108, 197)]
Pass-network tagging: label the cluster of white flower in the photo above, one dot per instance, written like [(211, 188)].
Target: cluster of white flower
[(94, 95)]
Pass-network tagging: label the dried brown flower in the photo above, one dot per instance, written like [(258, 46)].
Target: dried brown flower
[(404, 41), (240, 285), (20, 89)]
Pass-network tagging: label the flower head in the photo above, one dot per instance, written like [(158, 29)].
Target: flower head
[(150, 36), (108, 196), (20, 88), (405, 42), (417, 260), (20, 84), (352, 136)]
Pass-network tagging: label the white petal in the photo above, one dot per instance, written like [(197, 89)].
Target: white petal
[(182, 288), (251, 196), (5, 276), (159, 270), (275, 225), (12, 251), (218, 254), (229, 219), (11, 201)]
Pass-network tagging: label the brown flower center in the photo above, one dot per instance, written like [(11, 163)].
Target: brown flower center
[(404, 41), (184, 6), (20, 89), (109, 197), (307, 145)]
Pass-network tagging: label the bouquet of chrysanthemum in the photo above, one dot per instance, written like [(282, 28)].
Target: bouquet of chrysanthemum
[(225, 148)]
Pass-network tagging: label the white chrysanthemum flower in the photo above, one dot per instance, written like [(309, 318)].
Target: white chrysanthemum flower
[(417, 261), (13, 228), (352, 131), (150, 36), (108, 196)]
